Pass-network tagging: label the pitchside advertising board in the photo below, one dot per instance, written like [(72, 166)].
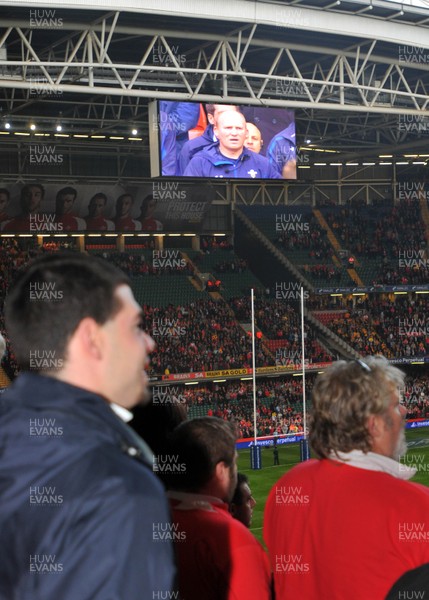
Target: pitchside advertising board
[(292, 439), (155, 206)]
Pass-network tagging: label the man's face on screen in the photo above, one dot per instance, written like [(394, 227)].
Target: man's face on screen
[(231, 132), (254, 138)]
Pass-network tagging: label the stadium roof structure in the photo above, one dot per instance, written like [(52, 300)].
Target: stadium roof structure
[(355, 71)]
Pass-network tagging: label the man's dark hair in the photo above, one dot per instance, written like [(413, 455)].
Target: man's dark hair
[(200, 444), (52, 295), (156, 422), (210, 109), (238, 494)]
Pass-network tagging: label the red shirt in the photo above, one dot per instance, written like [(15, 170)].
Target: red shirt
[(70, 222), (218, 558), (125, 224), (21, 223), (98, 224), (344, 533)]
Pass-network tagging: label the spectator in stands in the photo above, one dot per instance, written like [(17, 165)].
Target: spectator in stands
[(123, 217), (62, 425), (229, 157), (218, 558), (31, 199), (147, 210), (357, 432), (242, 503), (95, 220), (64, 203)]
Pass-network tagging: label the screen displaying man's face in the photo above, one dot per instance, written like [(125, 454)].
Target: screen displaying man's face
[(231, 132)]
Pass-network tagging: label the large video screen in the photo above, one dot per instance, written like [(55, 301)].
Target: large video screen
[(223, 141)]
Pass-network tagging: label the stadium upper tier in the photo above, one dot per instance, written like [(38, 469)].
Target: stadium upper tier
[(348, 246)]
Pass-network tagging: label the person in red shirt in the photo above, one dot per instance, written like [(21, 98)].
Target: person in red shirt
[(64, 203), (95, 220), (349, 524), (123, 218), (31, 198), (147, 209), (218, 558)]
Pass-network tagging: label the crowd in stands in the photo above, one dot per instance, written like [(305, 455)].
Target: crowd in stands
[(417, 274), (416, 396), (373, 233), (209, 243), (137, 265), (212, 338), (202, 335), (358, 330), (12, 258), (235, 265), (403, 324), (323, 272), (278, 402), (381, 325), (315, 241), (279, 320)]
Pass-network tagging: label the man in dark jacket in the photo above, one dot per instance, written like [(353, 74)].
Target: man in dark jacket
[(206, 139), (79, 503), (229, 158)]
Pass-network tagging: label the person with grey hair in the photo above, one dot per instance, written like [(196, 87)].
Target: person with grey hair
[(349, 524)]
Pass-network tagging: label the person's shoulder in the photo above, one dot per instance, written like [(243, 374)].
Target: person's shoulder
[(257, 158), (200, 140), (201, 161), (80, 223), (209, 153), (304, 470)]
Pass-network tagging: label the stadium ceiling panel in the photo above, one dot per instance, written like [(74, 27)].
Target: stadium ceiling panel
[(356, 71)]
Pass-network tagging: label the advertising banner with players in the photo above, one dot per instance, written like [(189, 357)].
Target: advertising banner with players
[(155, 206)]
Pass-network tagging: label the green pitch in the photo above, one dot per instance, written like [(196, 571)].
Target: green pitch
[(263, 480)]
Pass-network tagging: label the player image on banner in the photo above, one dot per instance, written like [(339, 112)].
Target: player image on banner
[(153, 206)]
